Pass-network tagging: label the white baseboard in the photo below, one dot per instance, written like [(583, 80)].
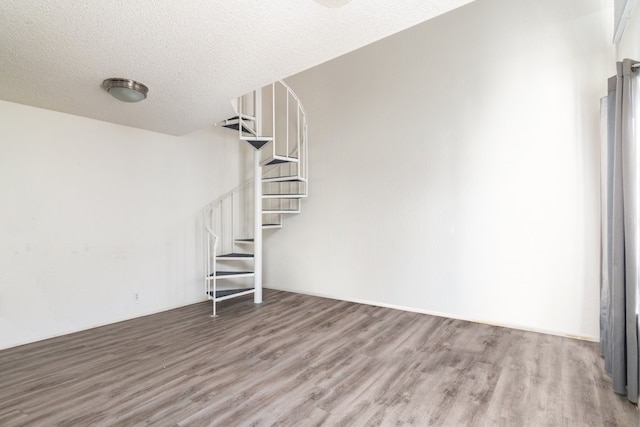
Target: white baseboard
[(440, 314), (100, 324)]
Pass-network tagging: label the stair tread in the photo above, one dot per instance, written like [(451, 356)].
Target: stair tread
[(235, 255), (289, 178), (256, 143), (244, 240), (274, 211), (236, 126), (277, 161), (244, 117), (231, 273), (256, 138), (227, 292)]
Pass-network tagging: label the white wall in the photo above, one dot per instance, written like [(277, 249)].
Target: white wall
[(454, 168), (92, 213)]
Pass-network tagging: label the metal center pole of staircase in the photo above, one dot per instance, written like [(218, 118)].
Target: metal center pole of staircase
[(257, 204), (257, 227)]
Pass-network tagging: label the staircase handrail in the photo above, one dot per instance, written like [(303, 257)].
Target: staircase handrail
[(213, 215), (293, 94), (209, 206)]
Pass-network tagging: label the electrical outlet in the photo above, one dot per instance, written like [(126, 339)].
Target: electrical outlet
[(136, 297)]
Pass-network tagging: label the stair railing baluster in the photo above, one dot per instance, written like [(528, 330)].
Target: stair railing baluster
[(286, 109), (298, 135), (273, 117)]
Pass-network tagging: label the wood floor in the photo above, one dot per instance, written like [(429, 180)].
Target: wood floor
[(298, 360)]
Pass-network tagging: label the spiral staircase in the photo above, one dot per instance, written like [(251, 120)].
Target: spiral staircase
[(273, 122)]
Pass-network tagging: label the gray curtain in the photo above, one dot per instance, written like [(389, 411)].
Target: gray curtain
[(620, 287)]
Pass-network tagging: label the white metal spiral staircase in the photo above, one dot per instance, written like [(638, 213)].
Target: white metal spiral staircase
[(272, 120)]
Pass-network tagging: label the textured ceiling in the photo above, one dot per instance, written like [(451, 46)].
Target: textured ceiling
[(194, 55)]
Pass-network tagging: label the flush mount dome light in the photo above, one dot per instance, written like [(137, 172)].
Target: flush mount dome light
[(126, 90), (332, 3)]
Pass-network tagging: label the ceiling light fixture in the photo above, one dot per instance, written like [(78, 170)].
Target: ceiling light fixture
[(332, 3), (125, 89)]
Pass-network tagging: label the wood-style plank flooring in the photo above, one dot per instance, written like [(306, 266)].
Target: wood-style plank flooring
[(298, 360)]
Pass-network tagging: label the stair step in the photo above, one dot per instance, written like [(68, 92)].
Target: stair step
[(291, 178), (244, 117), (236, 126), (244, 241), (231, 274), (284, 196), (276, 160), (235, 256), (256, 138), (271, 225), (224, 294), (280, 211), (257, 141)]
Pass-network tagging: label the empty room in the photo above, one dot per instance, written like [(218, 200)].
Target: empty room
[(321, 212)]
